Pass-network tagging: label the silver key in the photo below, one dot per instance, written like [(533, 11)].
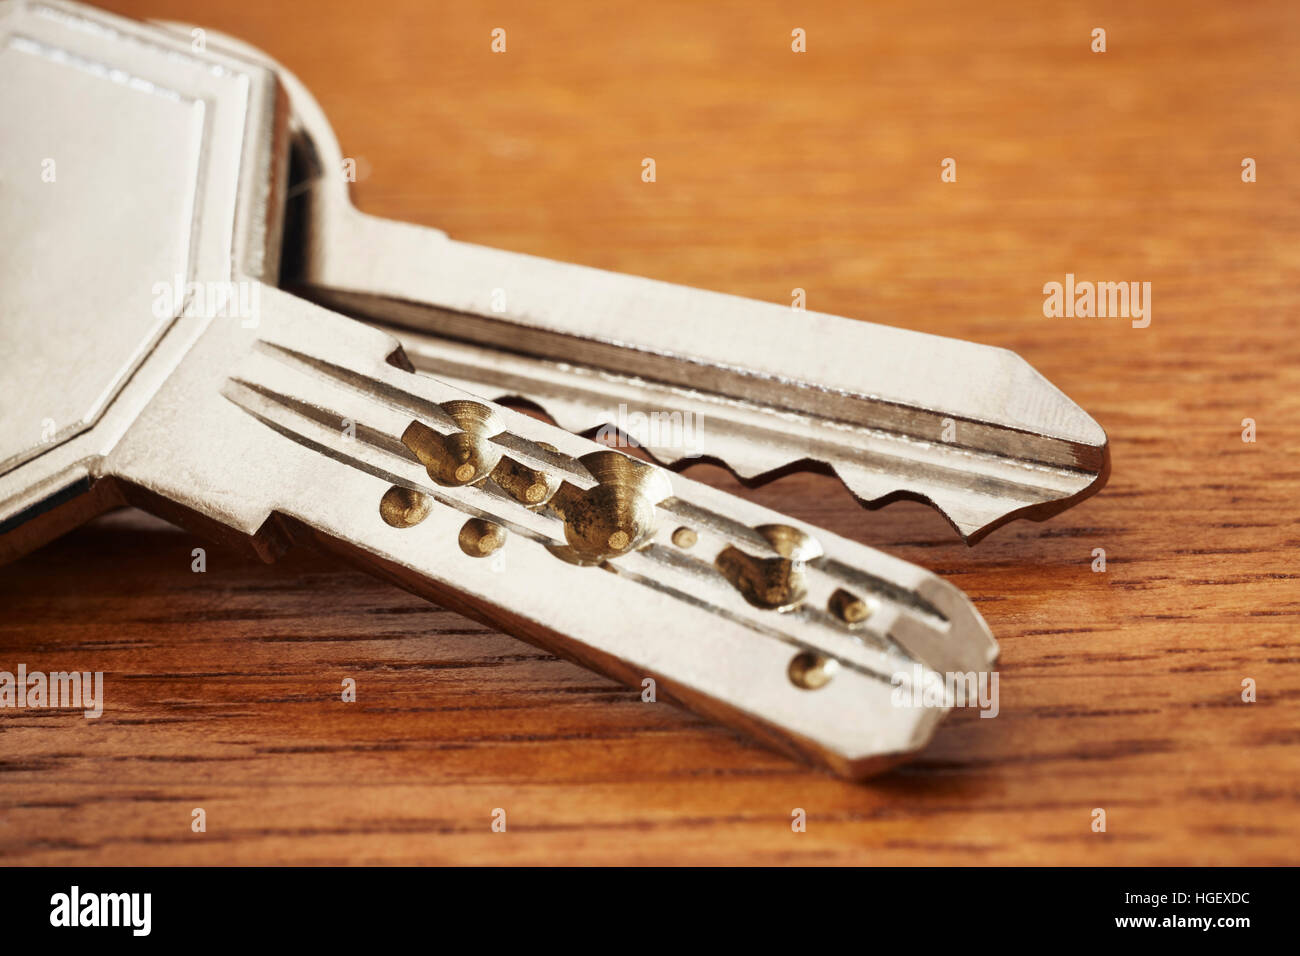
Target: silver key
[(147, 360), (971, 429)]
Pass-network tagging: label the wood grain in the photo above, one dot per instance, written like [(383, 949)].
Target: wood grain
[(1119, 690)]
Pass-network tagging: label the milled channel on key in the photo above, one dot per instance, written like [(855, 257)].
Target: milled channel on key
[(586, 511)]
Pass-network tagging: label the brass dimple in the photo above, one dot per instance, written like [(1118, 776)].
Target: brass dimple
[(810, 671), (480, 538), (404, 507), (848, 607), (615, 516), (769, 583), (462, 457), (526, 485), (772, 583), (685, 538)]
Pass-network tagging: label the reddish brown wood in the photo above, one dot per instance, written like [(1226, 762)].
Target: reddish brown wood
[(775, 170)]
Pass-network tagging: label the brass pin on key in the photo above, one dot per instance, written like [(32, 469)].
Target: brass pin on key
[(251, 415)]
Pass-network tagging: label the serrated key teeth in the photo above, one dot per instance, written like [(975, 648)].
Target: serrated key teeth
[(975, 517)]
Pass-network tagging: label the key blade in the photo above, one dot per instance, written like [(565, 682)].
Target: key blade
[(972, 429), (310, 429)]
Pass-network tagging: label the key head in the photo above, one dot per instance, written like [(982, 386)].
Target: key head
[(142, 178)]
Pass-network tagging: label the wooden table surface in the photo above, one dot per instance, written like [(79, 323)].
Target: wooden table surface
[(1119, 690)]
